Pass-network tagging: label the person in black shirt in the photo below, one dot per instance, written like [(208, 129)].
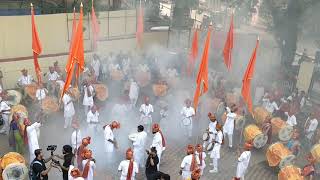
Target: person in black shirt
[(152, 172), (39, 169), (68, 158)]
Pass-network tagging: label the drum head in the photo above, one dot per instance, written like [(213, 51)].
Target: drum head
[(260, 140), (209, 147), (240, 122), (15, 171), (205, 136), (286, 161), (14, 96), (285, 133)]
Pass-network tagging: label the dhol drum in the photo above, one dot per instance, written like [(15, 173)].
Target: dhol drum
[(290, 173), (30, 90), (279, 155), (20, 109), (252, 133), (260, 114), (159, 90), (186, 121), (13, 167), (205, 136), (116, 75), (49, 105), (280, 128), (101, 91), (209, 146), (14, 97), (315, 151)]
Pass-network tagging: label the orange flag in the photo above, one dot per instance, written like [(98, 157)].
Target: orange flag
[(227, 51), (193, 53), (140, 27), (36, 46), (95, 27), (74, 27), (246, 82), (202, 78)]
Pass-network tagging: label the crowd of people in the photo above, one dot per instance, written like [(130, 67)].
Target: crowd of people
[(124, 69)]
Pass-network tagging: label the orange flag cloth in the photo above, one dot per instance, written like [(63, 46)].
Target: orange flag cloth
[(36, 46), (227, 51), (193, 53), (95, 27)]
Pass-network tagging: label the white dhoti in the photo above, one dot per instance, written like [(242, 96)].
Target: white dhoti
[(186, 175), (146, 120), (186, 124)]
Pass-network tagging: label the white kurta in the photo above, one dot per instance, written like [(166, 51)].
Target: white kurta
[(33, 138), (139, 142), (53, 76), (291, 121), (95, 64), (25, 80), (185, 166), (41, 94), (229, 124), (157, 143), (69, 174), (134, 92), (91, 170), (88, 101), (123, 167), (243, 163), (68, 106), (312, 128), (146, 111), (76, 139), (270, 106), (215, 153), (108, 134), (187, 113), (203, 165)]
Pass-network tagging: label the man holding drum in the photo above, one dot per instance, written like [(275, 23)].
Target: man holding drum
[(187, 113), (146, 110), (211, 130), (215, 153)]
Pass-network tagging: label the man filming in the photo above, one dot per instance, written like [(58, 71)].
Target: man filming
[(38, 166), (68, 158), (151, 166)]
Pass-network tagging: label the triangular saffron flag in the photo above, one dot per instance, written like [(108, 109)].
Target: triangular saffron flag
[(36, 46), (193, 53), (140, 27), (227, 51)]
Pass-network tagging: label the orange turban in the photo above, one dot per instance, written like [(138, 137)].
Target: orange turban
[(115, 125), (155, 127), (195, 175)]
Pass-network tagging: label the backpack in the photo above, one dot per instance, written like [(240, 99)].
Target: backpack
[(32, 174)]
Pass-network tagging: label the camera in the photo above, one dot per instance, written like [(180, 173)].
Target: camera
[(56, 162), (52, 148)]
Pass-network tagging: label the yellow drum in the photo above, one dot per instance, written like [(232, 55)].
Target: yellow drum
[(279, 155), (30, 90), (280, 128), (50, 105), (252, 133), (116, 75), (160, 90), (290, 173), (260, 114), (315, 151), (101, 91), (14, 97), (143, 78), (20, 109), (13, 166)]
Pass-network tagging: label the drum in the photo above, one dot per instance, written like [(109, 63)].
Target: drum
[(13, 166), (116, 75), (260, 114), (209, 146), (252, 133), (101, 91), (30, 90), (50, 105), (279, 155), (205, 136), (186, 121), (14, 97), (315, 151), (290, 173), (240, 122), (159, 90), (75, 93), (280, 128), (143, 78)]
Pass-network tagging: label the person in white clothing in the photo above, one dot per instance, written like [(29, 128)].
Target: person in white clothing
[(215, 153), (269, 104), (88, 165), (93, 120), (291, 120), (133, 92), (243, 161), (128, 168), (187, 113), (109, 140), (146, 110), (228, 126), (158, 141), (211, 129), (76, 136), (53, 76), (32, 136), (87, 97), (41, 93), (311, 126), (5, 112), (68, 107), (95, 64), (25, 79), (189, 163), (139, 143), (202, 157)]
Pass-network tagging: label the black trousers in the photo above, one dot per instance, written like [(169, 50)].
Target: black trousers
[(158, 176)]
